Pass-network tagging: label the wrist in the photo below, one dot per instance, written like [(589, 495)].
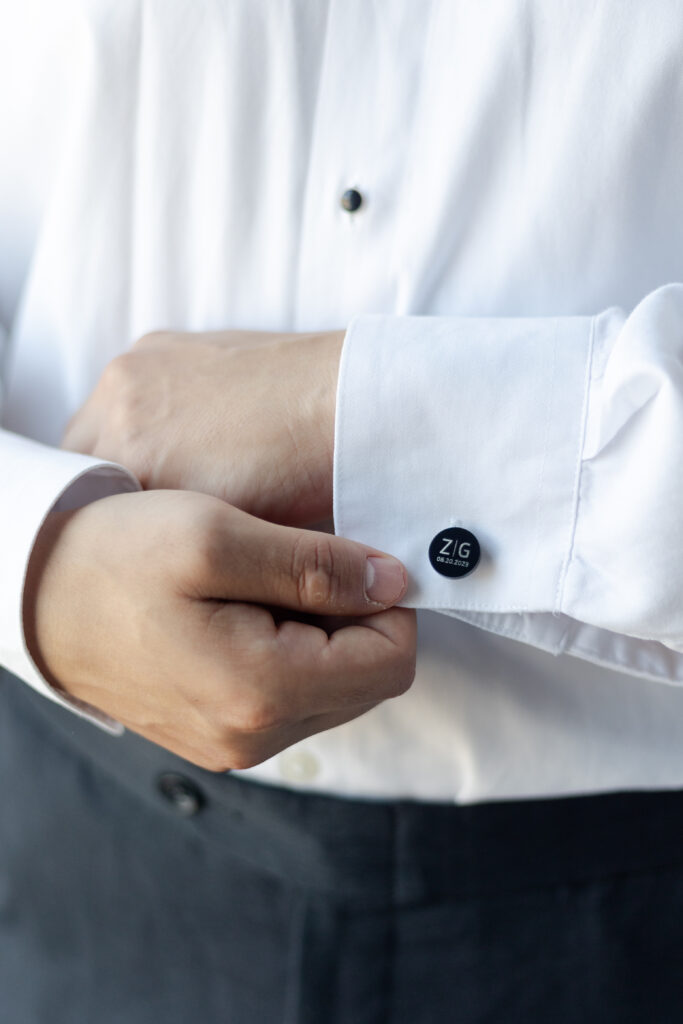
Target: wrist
[(40, 632), (311, 367), (334, 343), (323, 414)]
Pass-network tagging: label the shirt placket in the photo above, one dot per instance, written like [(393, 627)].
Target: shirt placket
[(360, 149)]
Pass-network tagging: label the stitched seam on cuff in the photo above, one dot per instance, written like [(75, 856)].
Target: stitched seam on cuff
[(339, 457), (562, 579), (549, 405)]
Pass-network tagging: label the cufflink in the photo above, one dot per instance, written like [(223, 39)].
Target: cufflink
[(454, 552)]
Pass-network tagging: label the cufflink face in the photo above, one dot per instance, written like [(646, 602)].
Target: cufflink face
[(454, 552)]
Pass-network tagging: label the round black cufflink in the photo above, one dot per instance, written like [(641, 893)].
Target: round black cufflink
[(454, 552)]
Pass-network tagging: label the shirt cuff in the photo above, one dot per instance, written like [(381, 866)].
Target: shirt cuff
[(458, 422), (37, 480), (556, 442)]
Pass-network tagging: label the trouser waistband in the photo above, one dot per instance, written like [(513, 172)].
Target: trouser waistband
[(375, 852)]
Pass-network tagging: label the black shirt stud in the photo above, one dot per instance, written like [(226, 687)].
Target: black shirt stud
[(351, 200)]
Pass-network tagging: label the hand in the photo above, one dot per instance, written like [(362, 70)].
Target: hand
[(147, 606), (253, 425)]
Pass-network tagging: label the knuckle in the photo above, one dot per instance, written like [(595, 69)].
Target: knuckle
[(217, 761), (153, 338), (403, 673), (248, 758), (315, 572), (119, 399), (257, 715), (205, 541), (235, 751), (118, 373), (235, 744)]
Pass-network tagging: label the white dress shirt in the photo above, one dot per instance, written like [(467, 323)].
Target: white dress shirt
[(514, 354)]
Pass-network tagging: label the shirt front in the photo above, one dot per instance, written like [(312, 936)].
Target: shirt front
[(513, 363)]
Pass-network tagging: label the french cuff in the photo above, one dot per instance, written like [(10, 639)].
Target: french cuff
[(472, 423), (37, 480)]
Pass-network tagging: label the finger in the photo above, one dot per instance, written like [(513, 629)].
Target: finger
[(250, 560), (369, 661), (303, 683), (282, 674)]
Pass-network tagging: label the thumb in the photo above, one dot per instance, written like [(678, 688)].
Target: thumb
[(261, 562)]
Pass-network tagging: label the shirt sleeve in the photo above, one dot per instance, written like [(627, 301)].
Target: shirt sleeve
[(558, 442), (34, 480)]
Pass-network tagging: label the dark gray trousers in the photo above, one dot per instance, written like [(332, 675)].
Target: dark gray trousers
[(137, 888)]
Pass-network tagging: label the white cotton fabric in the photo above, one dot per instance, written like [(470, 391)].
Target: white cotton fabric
[(569, 489), (514, 349)]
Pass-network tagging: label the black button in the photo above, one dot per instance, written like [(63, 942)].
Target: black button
[(351, 200), (181, 792), (454, 552)]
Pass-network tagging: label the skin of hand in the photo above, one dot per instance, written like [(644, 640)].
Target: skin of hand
[(168, 610), (245, 416)]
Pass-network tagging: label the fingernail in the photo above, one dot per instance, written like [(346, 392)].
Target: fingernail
[(385, 580)]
